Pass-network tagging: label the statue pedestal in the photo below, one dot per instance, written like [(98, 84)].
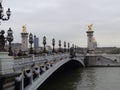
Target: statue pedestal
[(6, 63)]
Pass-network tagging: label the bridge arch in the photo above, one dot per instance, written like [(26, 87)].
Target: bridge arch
[(65, 62), (72, 64)]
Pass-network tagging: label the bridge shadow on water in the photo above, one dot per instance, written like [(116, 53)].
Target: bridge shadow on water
[(64, 75)]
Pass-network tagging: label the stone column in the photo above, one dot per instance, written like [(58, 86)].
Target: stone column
[(90, 41), (24, 36)]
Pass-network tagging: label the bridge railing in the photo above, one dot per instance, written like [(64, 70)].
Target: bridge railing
[(28, 61)]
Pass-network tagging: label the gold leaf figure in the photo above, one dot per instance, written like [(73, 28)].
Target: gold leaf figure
[(90, 27), (24, 30)]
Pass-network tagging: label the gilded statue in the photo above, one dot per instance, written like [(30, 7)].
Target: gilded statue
[(90, 27), (24, 30)]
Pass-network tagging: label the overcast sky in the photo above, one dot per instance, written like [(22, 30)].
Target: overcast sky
[(66, 20)]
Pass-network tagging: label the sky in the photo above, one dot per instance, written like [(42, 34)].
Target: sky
[(65, 20)]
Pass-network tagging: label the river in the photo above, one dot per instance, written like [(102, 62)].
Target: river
[(94, 78)]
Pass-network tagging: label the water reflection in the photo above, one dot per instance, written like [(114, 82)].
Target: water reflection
[(88, 80), (85, 79)]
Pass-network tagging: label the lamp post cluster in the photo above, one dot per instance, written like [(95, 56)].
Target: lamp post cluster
[(9, 37), (60, 49), (73, 50), (3, 40)]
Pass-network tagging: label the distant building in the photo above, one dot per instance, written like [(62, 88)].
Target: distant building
[(36, 42), (104, 49), (99, 49)]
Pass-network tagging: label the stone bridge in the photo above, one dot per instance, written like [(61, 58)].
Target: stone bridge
[(30, 72)]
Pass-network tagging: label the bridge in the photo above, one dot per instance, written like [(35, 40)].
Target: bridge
[(29, 70), (36, 70)]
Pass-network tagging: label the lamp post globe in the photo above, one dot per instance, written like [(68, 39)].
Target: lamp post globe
[(8, 12)]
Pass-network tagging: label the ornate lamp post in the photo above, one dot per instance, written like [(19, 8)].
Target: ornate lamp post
[(44, 43), (2, 38), (68, 46), (10, 39), (31, 42), (64, 46), (53, 43), (8, 13), (59, 45)]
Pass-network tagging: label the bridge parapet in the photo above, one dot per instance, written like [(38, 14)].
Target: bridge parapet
[(27, 62), (36, 66)]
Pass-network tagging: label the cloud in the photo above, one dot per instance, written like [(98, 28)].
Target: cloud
[(66, 19)]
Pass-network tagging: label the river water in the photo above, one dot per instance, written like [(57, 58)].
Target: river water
[(94, 78)]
